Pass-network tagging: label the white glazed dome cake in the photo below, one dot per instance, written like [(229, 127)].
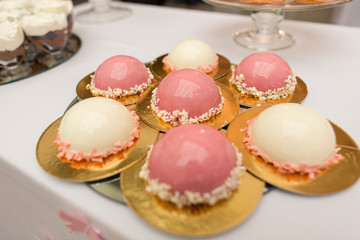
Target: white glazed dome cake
[(96, 128), (294, 138), (192, 164), (192, 53)]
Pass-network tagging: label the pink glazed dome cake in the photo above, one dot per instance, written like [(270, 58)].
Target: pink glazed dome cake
[(120, 76), (95, 129), (192, 164), (186, 96), (265, 76), (294, 138)]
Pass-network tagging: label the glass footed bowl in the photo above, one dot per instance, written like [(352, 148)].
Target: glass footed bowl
[(266, 35)]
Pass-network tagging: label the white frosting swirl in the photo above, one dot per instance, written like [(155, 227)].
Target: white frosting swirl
[(14, 4), (42, 23), (53, 6), (13, 15), (11, 36)]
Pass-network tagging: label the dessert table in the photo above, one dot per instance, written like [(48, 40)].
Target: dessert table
[(33, 204)]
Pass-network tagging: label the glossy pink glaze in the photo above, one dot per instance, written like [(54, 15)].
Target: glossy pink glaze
[(264, 71), (189, 90), (192, 157), (123, 72)]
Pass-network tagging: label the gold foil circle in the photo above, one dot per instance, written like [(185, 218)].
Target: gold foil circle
[(83, 93), (225, 79), (81, 90), (159, 71), (300, 93), (202, 220), (228, 113), (46, 155), (333, 179)]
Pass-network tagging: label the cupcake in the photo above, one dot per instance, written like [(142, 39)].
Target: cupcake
[(293, 138), (95, 129), (192, 164), (186, 96), (120, 76), (191, 53), (48, 31), (264, 76)]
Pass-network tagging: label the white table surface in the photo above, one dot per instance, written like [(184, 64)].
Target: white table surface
[(326, 57)]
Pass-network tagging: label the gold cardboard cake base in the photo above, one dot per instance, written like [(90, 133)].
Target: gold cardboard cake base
[(228, 113), (46, 155), (81, 90), (159, 71), (225, 79), (333, 179), (202, 220)]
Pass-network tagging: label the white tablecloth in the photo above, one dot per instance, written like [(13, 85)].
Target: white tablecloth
[(326, 57)]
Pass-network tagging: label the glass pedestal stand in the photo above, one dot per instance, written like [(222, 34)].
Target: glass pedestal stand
[(102, 11), (266, 34)]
